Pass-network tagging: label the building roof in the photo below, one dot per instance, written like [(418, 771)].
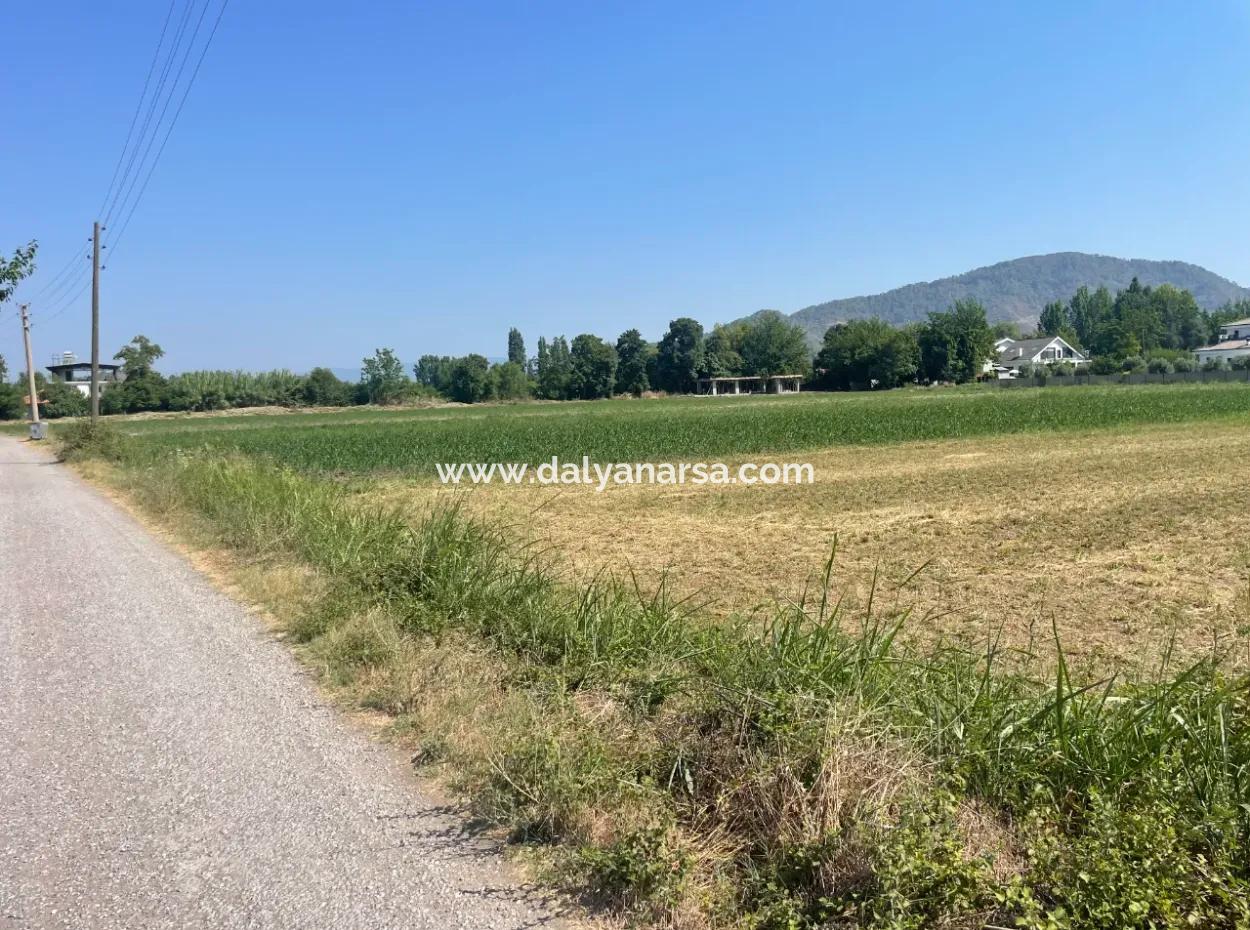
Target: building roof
[(1245, 322), (71, 365), (1226, 345), (1016, 352), (748, 377)]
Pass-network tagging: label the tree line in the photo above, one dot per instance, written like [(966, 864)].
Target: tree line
[(1138, 328)]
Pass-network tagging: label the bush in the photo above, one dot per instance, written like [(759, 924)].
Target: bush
[(1159, 366), (1182, 364), (1133, 364), (1104, 365), (11, 406), (1241, 363), (58, 399), (1214, 364), (82, 439)]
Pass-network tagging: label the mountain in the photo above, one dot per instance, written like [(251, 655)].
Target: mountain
[(1018, 289)]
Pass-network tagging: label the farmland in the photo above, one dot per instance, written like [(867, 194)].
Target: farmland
[(1015, 696), (1091, 508), (383, 442)]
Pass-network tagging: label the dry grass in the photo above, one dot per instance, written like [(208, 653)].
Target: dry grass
[(1120, 537)]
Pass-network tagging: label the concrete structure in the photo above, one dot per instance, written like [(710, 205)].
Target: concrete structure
[(1234, 343), (67, 369), (772, 384), (1014, 354)]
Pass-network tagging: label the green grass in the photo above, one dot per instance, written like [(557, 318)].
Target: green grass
[(809, 771), (365, 442)]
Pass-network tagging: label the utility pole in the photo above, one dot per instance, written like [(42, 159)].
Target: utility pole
[(95, 324), (30, 368)]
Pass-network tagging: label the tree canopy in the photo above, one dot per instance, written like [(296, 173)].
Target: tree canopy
[(679, 359), (955, 343), (867, 354)]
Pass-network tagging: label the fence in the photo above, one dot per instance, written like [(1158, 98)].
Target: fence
[(1176, 377)]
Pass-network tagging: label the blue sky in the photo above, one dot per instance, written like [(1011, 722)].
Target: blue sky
[(425, 175)]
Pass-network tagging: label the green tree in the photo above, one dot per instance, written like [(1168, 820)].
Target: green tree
[(722, 355), (772, 345), (470, 380), (516, 347), (15, 270), (434, 371), (631, 365), (142, 388), (58, 399), (554, 370), (323, 388), (382, 377), (11, 406), (1054, 319), (1007, 329), (4, 371), (593, 367), (679, 358), (955, 344), (510, 381), (1138, 317), (1184, 324), (139, 357), (866, 354)]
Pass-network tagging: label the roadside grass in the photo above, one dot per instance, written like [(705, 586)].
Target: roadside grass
[(680, 428), (816, 770)]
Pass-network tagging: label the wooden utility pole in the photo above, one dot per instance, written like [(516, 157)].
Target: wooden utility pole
[(95, 324), (30, 365)]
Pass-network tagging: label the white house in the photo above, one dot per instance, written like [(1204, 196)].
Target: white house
[(1014, 354), (66, 367), (1234, 342)]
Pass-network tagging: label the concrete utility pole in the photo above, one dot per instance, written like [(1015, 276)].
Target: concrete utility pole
[(30, 366), (95, 324)]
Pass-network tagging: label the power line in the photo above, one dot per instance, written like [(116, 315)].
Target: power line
[(151, 109), (58, 276), (139, 105), (66, 305), (54, 293), (119, 202), (114, 242)]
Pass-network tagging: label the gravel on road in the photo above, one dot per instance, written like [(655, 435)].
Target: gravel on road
[(166, 763)]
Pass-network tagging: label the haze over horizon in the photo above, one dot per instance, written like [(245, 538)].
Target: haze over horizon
[(341, 181)]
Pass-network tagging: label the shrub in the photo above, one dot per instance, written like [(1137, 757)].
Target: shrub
[(1182, 364), (1214, 364), (1159, 366), (1133, 364), (1104, 365), (82, 439)]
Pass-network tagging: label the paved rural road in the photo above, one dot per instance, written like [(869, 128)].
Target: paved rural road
[(165, 763)]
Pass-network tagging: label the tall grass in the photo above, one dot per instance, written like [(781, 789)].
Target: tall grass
[(810, 770)]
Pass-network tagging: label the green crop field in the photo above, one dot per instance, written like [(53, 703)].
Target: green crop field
[(363, 442)]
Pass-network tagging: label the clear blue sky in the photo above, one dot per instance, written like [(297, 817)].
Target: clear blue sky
[(425, 175)]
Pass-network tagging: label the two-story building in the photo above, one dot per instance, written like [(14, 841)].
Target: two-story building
[(1234, 342), (66, 368), (1014, 354)]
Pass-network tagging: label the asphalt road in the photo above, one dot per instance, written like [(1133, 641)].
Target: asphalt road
[(164, 763)]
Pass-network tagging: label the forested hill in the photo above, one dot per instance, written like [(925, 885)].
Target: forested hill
[(1018, 289)]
